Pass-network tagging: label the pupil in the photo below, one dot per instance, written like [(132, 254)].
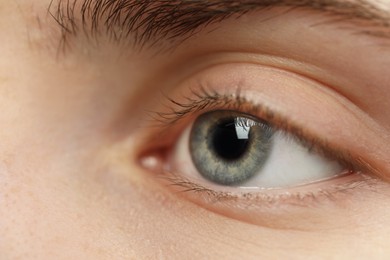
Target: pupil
[(226, 141)]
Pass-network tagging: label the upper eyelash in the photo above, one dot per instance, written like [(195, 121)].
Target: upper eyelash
[(205, 99), (208, 99)]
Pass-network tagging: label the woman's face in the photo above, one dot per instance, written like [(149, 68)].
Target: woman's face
[(194, 129)]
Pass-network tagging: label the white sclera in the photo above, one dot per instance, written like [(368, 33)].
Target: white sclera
[(289, 164)]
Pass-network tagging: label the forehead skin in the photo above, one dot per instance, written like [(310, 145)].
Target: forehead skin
[(71, 187)]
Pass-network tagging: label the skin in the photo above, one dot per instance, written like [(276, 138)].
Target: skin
[(74, 127)]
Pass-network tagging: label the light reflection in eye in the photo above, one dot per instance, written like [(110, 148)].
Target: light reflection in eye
[(242, 129)]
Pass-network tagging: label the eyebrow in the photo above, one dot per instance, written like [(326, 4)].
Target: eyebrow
[(149, 22)]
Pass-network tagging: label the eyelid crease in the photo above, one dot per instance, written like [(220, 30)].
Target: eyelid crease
[(204, 100)]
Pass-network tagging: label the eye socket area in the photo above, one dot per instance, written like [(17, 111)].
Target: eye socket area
[(282, 99)]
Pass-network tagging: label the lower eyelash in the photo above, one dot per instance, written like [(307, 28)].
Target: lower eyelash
[(275, 198)]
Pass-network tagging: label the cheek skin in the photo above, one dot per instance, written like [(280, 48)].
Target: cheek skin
[(156, 222)]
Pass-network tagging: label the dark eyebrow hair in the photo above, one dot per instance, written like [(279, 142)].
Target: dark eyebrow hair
[(148, 22)]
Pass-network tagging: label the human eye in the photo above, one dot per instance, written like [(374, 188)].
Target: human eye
[(244, 139), (233, 149)]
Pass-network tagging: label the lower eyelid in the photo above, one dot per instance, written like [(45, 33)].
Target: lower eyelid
[(267, 197), (283, 209)]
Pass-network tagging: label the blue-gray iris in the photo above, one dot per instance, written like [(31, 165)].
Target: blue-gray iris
[(228, 147)]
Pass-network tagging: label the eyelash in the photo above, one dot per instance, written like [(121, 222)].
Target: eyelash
[(204, 100), (261, 199)]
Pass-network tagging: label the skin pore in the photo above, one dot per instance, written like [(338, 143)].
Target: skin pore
[(76, 102)]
